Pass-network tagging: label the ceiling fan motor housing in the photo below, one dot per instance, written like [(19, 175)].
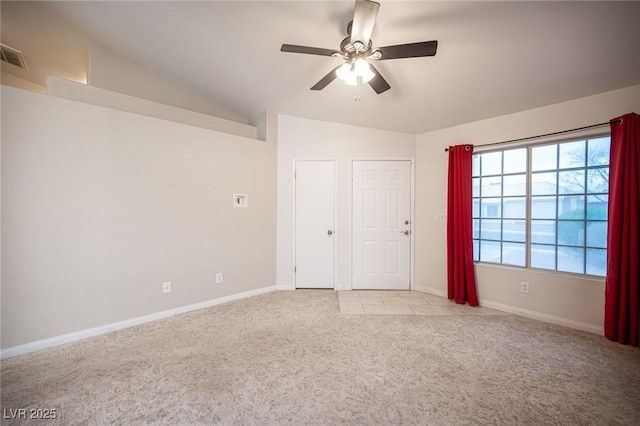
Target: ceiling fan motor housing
[(357, 50)]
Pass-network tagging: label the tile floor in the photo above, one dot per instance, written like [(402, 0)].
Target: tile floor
[(389, 302)]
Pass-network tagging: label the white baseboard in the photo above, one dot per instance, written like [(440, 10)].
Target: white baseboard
[(103, 329), (539, 316), (553, 319), (431, 290), (287, 287)]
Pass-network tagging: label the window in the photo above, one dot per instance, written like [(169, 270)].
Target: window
[(543, 206)]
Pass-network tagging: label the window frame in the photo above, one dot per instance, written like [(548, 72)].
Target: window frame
[(529, 199)]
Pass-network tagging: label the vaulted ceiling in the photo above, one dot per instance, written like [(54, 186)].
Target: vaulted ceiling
[(493, 58)]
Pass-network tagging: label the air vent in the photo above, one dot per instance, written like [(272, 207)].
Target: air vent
[(13, 56)]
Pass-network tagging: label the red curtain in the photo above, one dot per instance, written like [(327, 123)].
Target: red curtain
[(622, 298), (461, 278)]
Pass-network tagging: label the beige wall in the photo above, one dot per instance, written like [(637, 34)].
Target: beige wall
[(300, 138), (99, 207), (13, 81), (566, 299)]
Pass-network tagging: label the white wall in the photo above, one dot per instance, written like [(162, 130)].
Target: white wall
[(97, 96), (302, 138), (565, 299), (113, 72), (100, 206)]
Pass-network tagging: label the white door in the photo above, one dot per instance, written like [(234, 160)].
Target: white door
[(381, 225), (314, 223)]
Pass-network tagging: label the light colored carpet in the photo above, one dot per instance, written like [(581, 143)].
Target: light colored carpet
[(293, 358)]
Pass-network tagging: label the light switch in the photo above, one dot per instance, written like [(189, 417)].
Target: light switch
[(240, 200)]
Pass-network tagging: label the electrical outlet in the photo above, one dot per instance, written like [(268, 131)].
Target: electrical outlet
[(166, 287), (524, 287), (219, 278), (440, 217)]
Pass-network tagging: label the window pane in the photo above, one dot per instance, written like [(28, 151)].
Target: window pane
[(597, 262), (597, 206), (571, 259), (475, 185), (543, 256), (491, 207), (514, 208), (543, 231), (597, 234), (515, 160), (598, 151), (546, 211), (572, 154), (475, 165), (491, 187), (544, 157), (514, 230), (513, 254), (490, 251), (571, 232), (491, 163), (571, 182), (515, 185), (598, 180), (490, 229), (571, 207), (476, 251), (543, 183), (543, 207)]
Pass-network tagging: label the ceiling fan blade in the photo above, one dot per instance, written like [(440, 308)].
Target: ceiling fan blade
[(306, 49), (378, 83), (409, 50), (324, 82), (364, 18)]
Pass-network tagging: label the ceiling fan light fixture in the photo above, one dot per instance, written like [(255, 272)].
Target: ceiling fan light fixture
[(347, 75), (353, 72), (362, 69)]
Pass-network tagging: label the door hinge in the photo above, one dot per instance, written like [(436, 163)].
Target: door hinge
[(295, 269)]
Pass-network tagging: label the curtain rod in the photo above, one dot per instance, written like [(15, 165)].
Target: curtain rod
[(618, 121)]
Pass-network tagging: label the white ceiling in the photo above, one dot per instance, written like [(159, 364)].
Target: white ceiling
[(494, 58)]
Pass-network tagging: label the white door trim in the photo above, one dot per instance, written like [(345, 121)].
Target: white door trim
[(293, 216), (412, 255)]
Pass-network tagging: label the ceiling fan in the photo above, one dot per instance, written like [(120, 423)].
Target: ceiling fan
[(358, 52)]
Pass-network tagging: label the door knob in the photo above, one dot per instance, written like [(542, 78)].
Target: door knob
[(405, 232), (329, 232)]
